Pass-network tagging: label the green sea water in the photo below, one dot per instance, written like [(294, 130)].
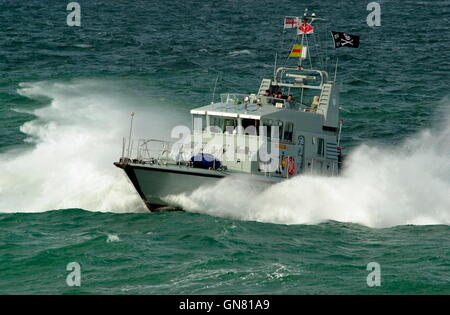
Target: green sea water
[(65, 98)]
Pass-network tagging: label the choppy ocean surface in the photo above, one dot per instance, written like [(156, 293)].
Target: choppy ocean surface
[(65, 98)]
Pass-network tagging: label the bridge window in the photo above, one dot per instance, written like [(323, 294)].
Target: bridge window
[(216, 124), (274, 128), (230, 125), (279, 123), (250, 126), (267, 124), (320, 147), (288, 131), (222, 124), (199, 122)]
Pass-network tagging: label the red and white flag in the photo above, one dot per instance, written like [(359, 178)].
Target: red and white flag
[(290, 22), (305, 28)]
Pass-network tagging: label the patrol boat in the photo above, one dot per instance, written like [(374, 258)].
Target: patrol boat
[(290, 127)]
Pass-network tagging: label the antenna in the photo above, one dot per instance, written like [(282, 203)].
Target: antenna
[(275, 66), (214, 91), (129, 137), (335, 70)]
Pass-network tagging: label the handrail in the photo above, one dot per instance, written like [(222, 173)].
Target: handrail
[(281, 70)]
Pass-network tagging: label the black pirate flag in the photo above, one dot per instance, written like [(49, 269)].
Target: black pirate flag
[(345, 40)]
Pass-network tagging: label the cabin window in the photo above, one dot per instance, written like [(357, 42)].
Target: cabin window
[(250, 126), (230, 125), (222, 124), (216, 124), (279, 123), (271, 128), (320, 147), (288, 131), (199, 122), (267, 123)]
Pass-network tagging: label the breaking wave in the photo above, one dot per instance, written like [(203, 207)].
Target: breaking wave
[(76, 138)]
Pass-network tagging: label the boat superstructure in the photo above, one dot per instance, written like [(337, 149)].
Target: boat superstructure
[(289, 127)]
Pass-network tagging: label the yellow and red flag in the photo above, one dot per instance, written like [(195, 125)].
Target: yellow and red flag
[(298, 51)]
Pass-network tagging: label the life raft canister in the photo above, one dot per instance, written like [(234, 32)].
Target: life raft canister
[(291, 166)]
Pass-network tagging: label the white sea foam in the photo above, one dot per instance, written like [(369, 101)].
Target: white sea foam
[(113, 238), (381, 186), (78, 136), (83, 46), (239, 52), (76, 139)]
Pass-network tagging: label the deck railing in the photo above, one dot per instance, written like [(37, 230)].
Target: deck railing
[(148, 151)]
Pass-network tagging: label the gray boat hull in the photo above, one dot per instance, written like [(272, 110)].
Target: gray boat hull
[(154, 182)]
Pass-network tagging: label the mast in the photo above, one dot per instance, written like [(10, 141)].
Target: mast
[(303, 26), (304, 19)]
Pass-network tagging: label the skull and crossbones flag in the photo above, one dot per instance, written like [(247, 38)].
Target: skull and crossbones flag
[(345, 40)]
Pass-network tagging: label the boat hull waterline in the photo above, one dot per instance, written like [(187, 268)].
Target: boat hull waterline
[(154, 182)]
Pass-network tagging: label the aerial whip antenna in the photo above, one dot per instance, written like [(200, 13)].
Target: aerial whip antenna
[(129, 136)]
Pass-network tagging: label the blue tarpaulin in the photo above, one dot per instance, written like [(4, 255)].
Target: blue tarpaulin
[(205, 160)]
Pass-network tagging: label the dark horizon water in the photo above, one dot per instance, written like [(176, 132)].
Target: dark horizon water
[(65, 98)]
